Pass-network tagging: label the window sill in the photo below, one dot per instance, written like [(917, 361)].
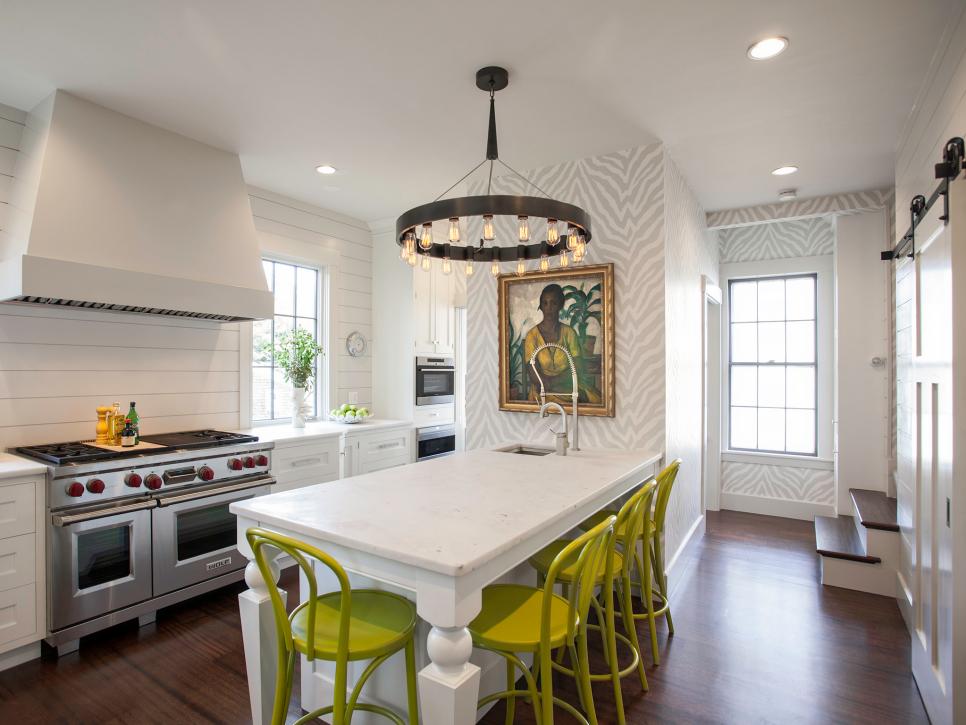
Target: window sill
[(778, 459), (280, 421)]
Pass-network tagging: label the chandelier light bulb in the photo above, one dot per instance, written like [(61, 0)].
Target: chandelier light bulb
[(553, 234), (521, 268), (426, 241), (411, 259), (427, 263), (404, 252), (468, 268), (544, 263), (564, 259), (495, 268), (488, 235), (447, 265), (572, 238), (454, 229), (524, 229)]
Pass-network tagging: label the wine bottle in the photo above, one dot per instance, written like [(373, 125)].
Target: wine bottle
[(135, 421), (128, 435)]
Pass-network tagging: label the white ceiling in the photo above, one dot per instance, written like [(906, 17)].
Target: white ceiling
[(385, 90)]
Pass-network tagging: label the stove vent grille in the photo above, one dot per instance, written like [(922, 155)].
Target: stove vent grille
[(107, 307)]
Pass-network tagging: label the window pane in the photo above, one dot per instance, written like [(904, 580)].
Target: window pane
[(284, 289), (261, 393), (306, 324), (744, 428), (800, 298), (744, 342), (771, 299), (771, 342), (306, 305), (801, 431), (744, 385), (262, 342), (771, 429), (744, 301), (283, 396), (801, 341), (268, 267), (771, 386), (800, 387)]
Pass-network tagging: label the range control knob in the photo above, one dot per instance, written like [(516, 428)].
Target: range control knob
[(95, 485), (133, 480), (75, 489), (234, 464), (249, 462), (153, 481), (261, 460), (205, 473)]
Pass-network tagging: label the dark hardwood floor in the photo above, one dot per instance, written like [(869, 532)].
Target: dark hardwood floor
[(758, 641)]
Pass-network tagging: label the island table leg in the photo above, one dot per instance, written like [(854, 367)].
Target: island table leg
[(449, 686), (260, 640)]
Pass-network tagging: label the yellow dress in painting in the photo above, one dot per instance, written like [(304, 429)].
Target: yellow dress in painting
[(552, 361)]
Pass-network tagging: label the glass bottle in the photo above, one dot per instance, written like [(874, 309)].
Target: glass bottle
[(134, 420), (128, 435), (115, 424)]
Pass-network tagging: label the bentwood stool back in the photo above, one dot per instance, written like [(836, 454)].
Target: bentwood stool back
[(342, 626), (516, 618)]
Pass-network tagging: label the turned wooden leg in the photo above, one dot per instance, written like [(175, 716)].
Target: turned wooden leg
[(449, 686), (260, 641)]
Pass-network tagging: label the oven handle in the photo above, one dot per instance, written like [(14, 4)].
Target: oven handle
[(68, 519), (208, 493)]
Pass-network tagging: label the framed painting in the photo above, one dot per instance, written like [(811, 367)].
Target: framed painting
[(573, 308)]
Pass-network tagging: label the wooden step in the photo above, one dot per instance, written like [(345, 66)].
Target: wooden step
[(875, 509), (835, 536)]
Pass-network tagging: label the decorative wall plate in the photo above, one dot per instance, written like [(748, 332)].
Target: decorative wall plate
[(355, 344)]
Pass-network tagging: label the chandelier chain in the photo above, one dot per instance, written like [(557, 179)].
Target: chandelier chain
[(462, 179)]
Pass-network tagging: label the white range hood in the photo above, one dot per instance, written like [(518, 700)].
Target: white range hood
[(112, 213)]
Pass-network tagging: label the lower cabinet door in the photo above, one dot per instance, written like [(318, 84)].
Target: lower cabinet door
[(18, 613)]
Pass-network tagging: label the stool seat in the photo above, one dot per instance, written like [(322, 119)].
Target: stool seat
[(379, 622), (542, 560), (510, 618)]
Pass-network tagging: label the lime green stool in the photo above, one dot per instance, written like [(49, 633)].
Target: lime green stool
[(516, 618), (650, 567), (628, 527), (342, 626)]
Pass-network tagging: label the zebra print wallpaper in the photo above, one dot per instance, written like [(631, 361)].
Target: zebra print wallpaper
[(777, 240), (802, 208)]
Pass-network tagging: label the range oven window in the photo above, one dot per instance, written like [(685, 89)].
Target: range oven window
[(201, 531), (103, 556)]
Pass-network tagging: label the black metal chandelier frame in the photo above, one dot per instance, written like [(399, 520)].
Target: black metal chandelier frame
[(575, 220)]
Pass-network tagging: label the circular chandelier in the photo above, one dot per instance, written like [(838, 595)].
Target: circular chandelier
[(567, 225)]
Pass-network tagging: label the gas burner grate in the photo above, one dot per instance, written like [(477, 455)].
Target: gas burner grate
[(59, 453)]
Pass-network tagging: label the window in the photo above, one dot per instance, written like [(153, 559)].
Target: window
[(772, 364), (297, 303)]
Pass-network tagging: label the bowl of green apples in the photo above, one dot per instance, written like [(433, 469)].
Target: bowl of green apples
[(349, 414)]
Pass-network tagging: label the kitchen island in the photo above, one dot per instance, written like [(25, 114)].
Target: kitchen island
[(437, 531)]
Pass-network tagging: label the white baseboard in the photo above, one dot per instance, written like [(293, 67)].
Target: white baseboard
[(20, 655), (677, 565), (786, 508)]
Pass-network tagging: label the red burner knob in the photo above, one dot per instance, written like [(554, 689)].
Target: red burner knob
[(234, 464), (249, 462), (95, 485), (261, 460), (75, 489), (205, 473), (133, 480), (153, 481)]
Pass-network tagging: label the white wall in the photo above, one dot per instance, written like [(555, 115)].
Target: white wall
[(56, 366)]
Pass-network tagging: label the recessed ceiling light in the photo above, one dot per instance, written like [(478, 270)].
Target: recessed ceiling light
[(787, 194), (784, 170), (767, 48), (325, 169)]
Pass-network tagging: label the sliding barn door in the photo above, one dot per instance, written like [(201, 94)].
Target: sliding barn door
[(929, 327)]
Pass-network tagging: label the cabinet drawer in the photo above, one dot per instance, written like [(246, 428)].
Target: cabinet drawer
[(17, 509), (394, 444), (321, 457), (308, 476), (426, 415), (383, 463), (18, 613), (18, 561)]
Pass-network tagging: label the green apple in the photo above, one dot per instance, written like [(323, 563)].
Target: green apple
[(344, 409), (334, 412), (364, 412)]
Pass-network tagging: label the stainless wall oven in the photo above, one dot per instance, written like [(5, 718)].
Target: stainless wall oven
[(435, 380)]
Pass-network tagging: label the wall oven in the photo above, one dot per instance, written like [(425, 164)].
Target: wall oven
[(435, 380), (435, 441)]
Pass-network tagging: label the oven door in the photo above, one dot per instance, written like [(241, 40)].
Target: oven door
[(435, 385), (439, 440), (99, 561), (194, 534)]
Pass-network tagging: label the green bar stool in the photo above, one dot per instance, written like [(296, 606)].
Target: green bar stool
[(516, 618), (650, 567), (628, 530), (342, 626)]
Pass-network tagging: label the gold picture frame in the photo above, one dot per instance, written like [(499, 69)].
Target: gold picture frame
[(584, 298)]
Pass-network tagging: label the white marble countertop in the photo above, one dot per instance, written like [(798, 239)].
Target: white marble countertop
[(320, 429), (450, 514), (12, 466)]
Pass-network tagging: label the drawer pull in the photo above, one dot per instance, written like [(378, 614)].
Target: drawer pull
[(383, 446), (305, 462)]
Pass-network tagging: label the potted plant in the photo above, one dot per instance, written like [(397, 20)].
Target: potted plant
[(583, 307), (296, 352)]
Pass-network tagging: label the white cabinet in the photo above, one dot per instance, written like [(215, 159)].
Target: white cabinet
[(434, 300), (300, 462), (369, 451)]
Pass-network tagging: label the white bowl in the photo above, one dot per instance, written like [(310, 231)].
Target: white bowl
[(343, 419)]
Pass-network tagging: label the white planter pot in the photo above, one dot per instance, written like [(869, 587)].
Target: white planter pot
[(299, 407)]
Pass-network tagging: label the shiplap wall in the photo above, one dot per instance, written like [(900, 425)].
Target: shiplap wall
[(57, 366)]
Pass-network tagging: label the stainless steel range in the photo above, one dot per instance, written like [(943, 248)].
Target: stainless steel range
[(131, 532)]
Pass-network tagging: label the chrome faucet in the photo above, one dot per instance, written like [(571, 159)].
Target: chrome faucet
[(562, 443), (575, 443)]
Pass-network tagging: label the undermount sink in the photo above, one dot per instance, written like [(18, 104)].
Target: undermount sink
[(522, 450)]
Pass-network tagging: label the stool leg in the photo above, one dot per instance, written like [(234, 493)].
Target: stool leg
[(611, 649), (511, 701), (546, 687), (662, 579), (411, 689), (284, 674), (627, 618), (582, 665), (644, 570)]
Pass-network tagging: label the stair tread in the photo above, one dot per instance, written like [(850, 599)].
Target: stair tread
[(875, 509), (835, 536)]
